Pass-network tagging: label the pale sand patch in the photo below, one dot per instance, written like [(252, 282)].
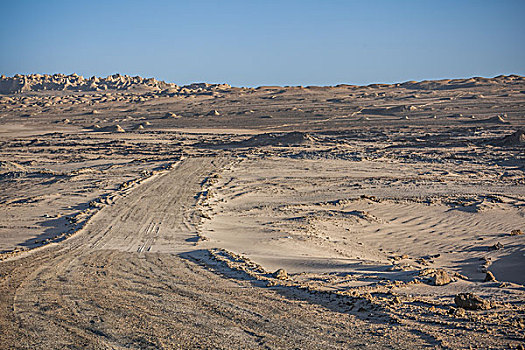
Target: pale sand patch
[(386, 219)]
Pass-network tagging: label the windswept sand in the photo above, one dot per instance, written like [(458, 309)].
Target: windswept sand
[(150, 215)]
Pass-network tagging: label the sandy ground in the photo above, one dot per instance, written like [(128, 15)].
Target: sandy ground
[(377, 204)]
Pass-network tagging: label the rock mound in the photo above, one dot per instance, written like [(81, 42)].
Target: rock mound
[(111, 128), (170, 115), (498, 119), (280, 274), (8, 167), (515, 139), (471, 301), (278, 139)]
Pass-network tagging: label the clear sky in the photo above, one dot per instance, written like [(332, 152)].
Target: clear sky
[(265, 42)]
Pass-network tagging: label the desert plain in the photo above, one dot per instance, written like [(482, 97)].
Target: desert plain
[(138, 214)]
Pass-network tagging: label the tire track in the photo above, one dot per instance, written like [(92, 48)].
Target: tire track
[(120, 283)]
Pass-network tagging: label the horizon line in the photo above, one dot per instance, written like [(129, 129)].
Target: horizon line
[(270, 85)]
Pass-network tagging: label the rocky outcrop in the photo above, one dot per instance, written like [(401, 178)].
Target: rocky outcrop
[(56, 82), (61, 82), (74, 82)]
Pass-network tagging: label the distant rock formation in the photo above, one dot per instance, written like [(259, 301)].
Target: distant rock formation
[(74, 82), (38, 82), (61, 82)]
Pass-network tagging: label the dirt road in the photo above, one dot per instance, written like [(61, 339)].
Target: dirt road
[(120, 283)]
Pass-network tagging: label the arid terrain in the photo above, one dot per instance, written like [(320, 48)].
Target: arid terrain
[(140, 214)]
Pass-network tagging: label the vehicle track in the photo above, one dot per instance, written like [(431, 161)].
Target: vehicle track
[(120, 283)]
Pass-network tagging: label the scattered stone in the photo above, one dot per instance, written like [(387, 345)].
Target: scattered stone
[(95, 112), (205, 215), (516, 232), (214, 112), (171, 115), (280, 274), (271, 284), (460, 276), (440, 278), (489, 277), (496, 246), (394, 268), (471, 301), (457, 312), (66, 121), (396, 300)]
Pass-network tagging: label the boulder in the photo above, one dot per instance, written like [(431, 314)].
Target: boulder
[(440, 278), (496, 246), (489, 277), (280, 274), (471, 301)]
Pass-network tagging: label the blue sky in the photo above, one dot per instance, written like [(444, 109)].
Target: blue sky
[(251, 43)]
